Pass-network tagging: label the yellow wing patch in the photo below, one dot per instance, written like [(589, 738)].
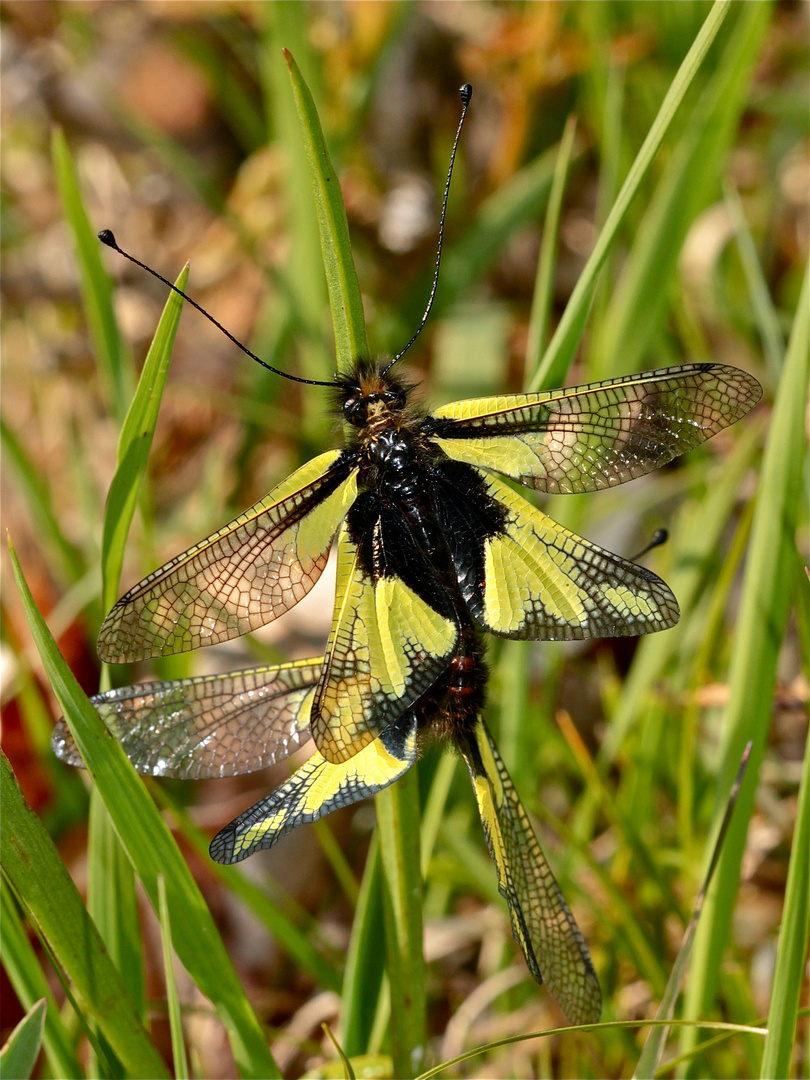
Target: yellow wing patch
[(584, 438), (542, 923), (318, 788), (240, 578), (386, 647), (543, 582)]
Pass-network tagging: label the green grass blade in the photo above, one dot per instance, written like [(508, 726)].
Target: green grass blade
[(544, 283), (63, 556), (341, 277), (767, 319), (40, 879), (689, 182), (563, 345), (152, 850), (302, 282), (290, 939), (769, 578), (21, 1050), (96, 288), (649, 1060), (793, 935), (398, 826), (134, 445), (175, 1015), (363, 977), (27, 978)]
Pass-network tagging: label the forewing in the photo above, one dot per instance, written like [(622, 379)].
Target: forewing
[(211, 726), (318, 788), (240, 578), (598, 435), (392, 635), (542, 922), (534, 579)]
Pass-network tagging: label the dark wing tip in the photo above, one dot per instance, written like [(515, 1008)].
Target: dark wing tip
[(223, 845)]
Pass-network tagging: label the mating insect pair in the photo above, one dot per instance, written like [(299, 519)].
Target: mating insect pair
[(433, 549)]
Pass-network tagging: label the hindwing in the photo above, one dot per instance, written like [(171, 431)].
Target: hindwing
[(529, 577), (240, 578), (542, 923), (318, 788), (210, 726), (393, 632), (597, 435)]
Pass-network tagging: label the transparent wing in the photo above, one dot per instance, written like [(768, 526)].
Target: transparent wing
[(240, 578), (535, 579), (542, 923), (318, 788), (597, 435), (211, 726), (387, 645)]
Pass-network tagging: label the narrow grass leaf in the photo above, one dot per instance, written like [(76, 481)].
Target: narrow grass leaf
[(766, 597), (96, 288), (365, 960), (345, 300), (791, 954), (134, 444), (544, 282), (566, 338), (21, 1049), (172, 1000), (688, 184), (650, 1057), (762, 308), (289, 938), (64, 558), (152, 850), (398, 826), (25, 973), (40, 879)]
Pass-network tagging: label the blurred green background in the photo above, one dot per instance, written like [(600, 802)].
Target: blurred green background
[(178, 119)]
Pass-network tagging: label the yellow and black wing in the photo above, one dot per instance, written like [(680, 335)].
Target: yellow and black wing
[(531, 578), (542, 923), (240, 578), (318, 788), (210, 726), (393, 633), (597, 435)]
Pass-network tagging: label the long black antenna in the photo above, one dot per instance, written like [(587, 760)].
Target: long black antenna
[(466, 95), (107, 238)]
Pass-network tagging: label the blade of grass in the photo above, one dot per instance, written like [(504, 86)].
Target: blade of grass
[(689, 182), (544, 282), (96, 288), (135, 443), (398, 826), (290, 939), (175, 1014), (63, 557), (763, 614), (27, 978), (152, 850), (345, 300), (650, 1057), (566, 338), (40, 879), (365, 960), (767, 320), (791, 953), (21, 1050), (283, 24)]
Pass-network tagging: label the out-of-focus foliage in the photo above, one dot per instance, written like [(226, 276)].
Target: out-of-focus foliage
[(180, 125)]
